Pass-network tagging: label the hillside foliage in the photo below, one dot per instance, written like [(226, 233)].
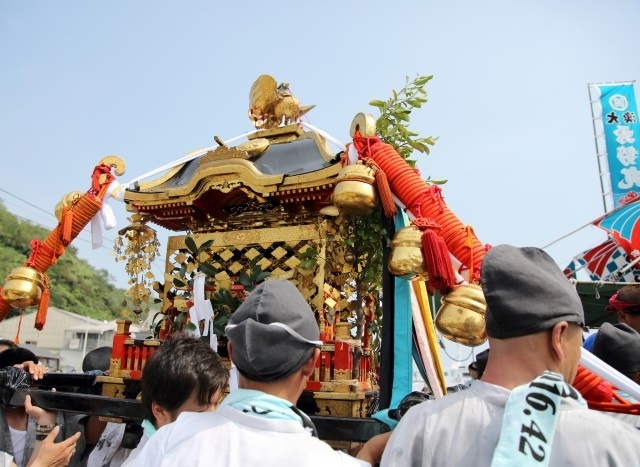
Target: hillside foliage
[(76, 286)]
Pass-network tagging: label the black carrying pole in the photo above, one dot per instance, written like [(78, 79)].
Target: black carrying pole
[(388, 302), (330, 428)]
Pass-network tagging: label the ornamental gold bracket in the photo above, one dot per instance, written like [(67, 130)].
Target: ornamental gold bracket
[(222, 153), (115, 163)]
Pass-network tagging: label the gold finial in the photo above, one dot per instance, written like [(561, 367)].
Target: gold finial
[(116, 163), (272, 105), (365, 124)]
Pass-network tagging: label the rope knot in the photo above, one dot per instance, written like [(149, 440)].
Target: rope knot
[(97, 181), (365, 145), (424, 223), (370, 163), (436, 195), (344, 156), (35, 249)]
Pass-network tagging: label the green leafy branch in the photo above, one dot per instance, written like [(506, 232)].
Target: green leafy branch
[(187, 270), (192, 258), (308, 258), (223, 301), (224, 304), (255, 276), (395, 115)]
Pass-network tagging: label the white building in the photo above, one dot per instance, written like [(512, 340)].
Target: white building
[(66, 334)]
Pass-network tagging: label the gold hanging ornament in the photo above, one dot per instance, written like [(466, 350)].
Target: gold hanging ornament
[(461, 316), (139, 246)]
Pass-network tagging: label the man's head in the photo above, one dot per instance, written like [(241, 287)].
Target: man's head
[(473, 370), (273, 333), (478, 366), (625, 303), (6, 344), (184, 375), (15, 356), (619, 346), (97, 359), (528, 295)]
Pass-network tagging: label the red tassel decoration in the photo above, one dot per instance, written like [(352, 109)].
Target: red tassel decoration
[(67, 224), (436, 256), (16, 339), (43, 308), (388, 205), (469, 244), (5, 308)]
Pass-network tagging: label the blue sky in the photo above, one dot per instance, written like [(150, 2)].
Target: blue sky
[(153, 80)]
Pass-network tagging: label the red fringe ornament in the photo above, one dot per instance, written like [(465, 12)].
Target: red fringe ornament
[(16, 340), (388, 205), (436, 256), (67, 224), (43, 308)]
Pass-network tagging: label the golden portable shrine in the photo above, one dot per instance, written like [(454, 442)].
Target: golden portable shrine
[(270, 217), (280, 204)]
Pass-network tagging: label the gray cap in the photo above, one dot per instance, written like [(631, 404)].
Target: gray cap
[(273, 332), (618, 346), (526, 292)]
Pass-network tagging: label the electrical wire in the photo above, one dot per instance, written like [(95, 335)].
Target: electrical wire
[(31, 221), (46, 212), (27, 202), (154, 265), (444, 349)]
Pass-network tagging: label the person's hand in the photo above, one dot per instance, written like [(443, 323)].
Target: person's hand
[(36, 371), (53, 454), (41, 416), (372, 450)]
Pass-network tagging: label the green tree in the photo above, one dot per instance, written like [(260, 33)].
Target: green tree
[(76, 286)]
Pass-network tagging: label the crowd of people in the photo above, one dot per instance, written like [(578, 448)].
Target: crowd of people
[(520, 409)]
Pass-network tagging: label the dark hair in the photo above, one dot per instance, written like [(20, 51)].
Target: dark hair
[(481, 362), (7, 343), (15, 356), (97, 359), (408, 401), (630, 293), (182, 365)]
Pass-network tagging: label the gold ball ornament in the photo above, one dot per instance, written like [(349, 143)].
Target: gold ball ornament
[(66, 201), (355, 192), (406, 259), (461, 316), (23, 288)]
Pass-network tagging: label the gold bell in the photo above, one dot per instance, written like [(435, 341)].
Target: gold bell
[(406, 259), (355, 191), (23, 288), (461, 316), (67, 201)]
